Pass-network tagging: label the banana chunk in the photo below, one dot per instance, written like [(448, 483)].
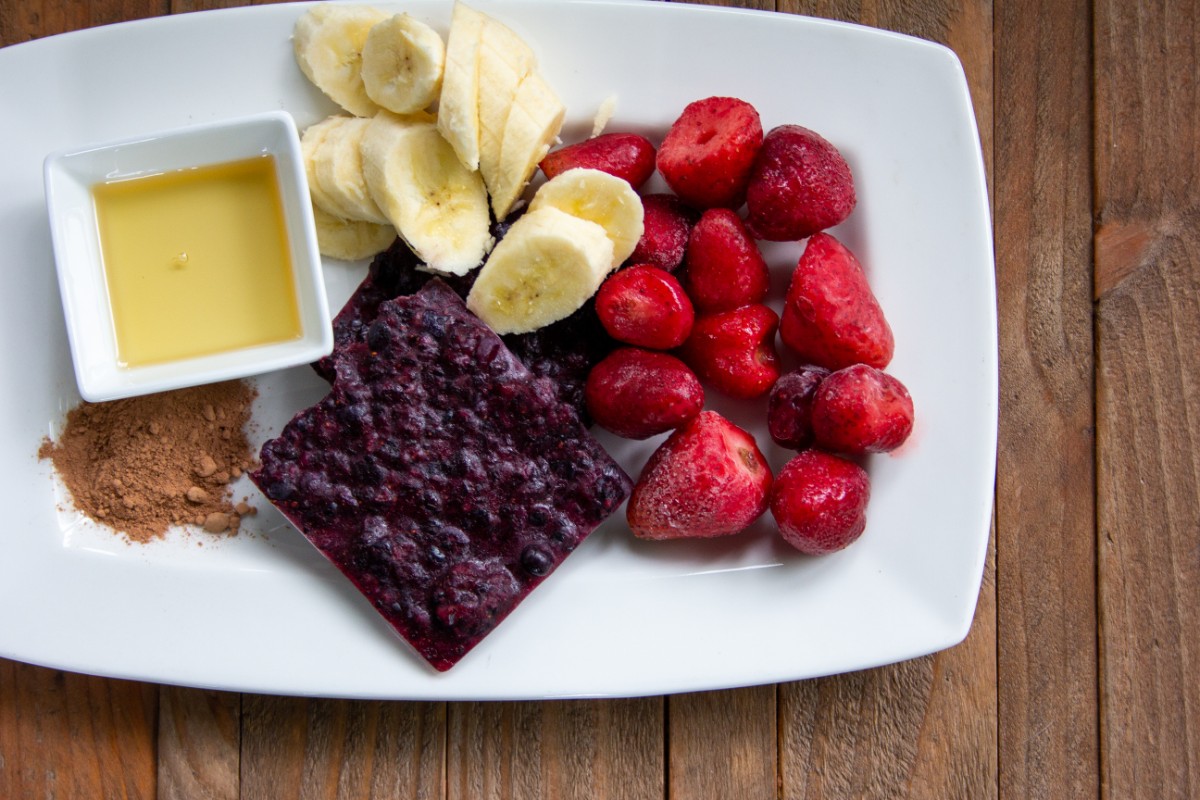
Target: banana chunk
[(403, 60), (328, 40), (533, 124), (504, 62), (458, 107), (311, 141), (602, 198), (339, 173), (350, 240), (546, 266), (438, 206)]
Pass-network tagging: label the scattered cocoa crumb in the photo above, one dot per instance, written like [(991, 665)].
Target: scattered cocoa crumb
[(142, 464)]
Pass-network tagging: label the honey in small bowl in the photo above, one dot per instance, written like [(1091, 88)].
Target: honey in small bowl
[(196, 261)]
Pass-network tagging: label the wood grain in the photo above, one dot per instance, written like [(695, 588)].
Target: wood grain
[(64, 735), (564, 749), (199, 742), (1045, 568), (723, 744), (315, 749), (1148, 465)]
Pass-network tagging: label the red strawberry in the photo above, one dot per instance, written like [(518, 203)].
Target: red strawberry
[(859, 410), (831, 317), (724, 267), (667, 223), (640, 393), (819, 501), (707, 154), (800, 185), (707, 479), (735, 350), (645, 306), (789, 407), (625, 155)]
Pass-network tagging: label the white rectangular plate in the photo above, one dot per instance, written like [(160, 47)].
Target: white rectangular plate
[(263, 612)]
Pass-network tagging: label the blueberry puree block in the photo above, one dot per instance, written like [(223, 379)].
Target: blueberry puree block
[(565, 351), (439, 475)]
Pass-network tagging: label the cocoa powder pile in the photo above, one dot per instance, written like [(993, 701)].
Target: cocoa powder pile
[(146, 463)]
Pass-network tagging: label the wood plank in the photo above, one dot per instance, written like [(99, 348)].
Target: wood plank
[(723, 744), (313, 749), (924, 728), (1148, 464), (571, 749), (1046, 488), (24, 21), (68, 735), (199, 740)]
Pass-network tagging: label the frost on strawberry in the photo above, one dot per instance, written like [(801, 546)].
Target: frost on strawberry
[(831, 317), (707, 154), (625, 155), (667, 223), (820, 501), (735, 350), (800, 185), (789, 407), (725, 269), (645, 306), (707, 479), (638, 393), (860, 410)]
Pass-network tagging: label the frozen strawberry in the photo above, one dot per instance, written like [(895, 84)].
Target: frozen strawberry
[(707, 479), (789, 407), (639, 393), (735, 350), (625, 155), (724, 267), (831, 317), (800, 185), (645, 306), (859, 410), (819, 501), (667, 223), (707, 154)]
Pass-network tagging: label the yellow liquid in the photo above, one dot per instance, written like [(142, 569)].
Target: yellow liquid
[(197, 261)]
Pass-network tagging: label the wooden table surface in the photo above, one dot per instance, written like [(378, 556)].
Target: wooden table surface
[(1081, 675)]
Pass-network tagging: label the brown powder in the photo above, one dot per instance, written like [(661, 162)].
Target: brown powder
[(146, 463)]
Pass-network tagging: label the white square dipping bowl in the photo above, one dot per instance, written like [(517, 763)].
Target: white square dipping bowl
[(70, 176)]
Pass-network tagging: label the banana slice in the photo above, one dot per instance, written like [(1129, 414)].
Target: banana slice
[(311, 141), (458, 107), (533, 124), (546, 266), (402, 64), (504, 62), (339, 173), (328, 40), (605, 199), (350, 240), (438, 206)]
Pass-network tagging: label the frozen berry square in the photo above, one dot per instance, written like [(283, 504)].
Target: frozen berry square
[(439, 475)]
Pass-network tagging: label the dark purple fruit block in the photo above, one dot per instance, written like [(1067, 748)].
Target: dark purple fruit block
[(439, 475), (565, 351)]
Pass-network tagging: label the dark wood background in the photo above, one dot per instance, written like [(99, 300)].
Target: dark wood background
[(1081, 675)]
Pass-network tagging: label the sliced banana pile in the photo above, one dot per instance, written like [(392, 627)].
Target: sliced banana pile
[(442, 137), (382, 171)]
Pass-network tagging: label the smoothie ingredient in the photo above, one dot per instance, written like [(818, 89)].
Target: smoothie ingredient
[(707, 479), (639, 393)]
